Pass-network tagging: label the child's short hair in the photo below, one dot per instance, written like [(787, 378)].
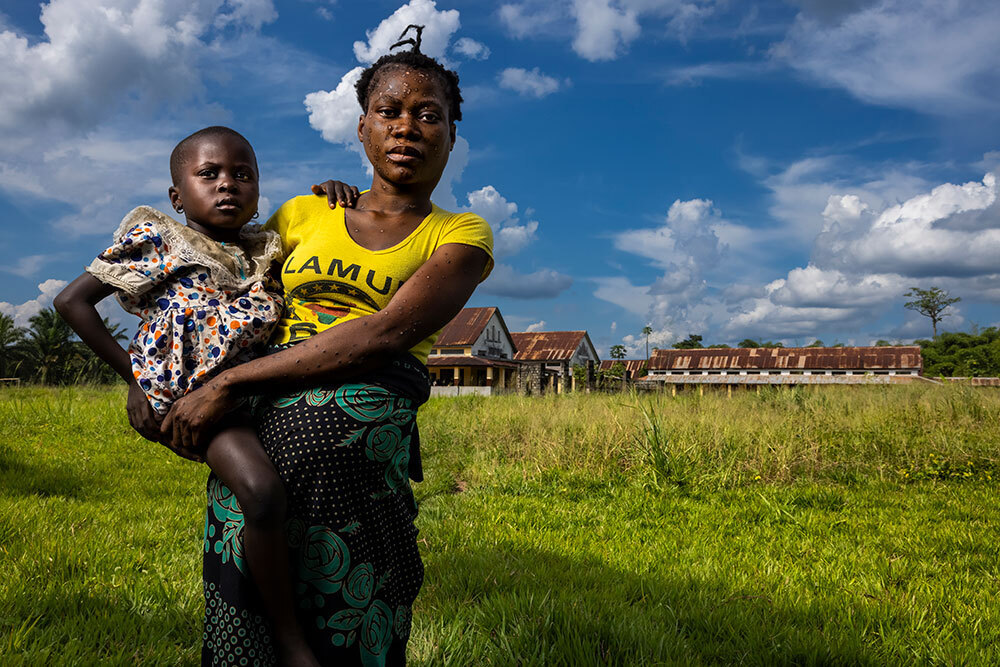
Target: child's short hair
[(180, 153)]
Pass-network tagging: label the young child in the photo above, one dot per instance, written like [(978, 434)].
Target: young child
[(206, 300)]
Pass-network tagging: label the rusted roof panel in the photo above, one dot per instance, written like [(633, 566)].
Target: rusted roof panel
[(465, 360), (799, 358), (631, 365), (465, 327), (750, 380), (546, 345)]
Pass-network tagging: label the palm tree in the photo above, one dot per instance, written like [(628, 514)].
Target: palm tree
[(647, 330), (49, 347), (11, 338)]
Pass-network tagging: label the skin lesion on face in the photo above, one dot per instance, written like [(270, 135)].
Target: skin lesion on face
[(405, 130)]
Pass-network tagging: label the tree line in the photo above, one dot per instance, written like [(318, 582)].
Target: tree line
[(47, 351)]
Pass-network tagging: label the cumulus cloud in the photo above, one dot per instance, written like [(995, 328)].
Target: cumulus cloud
[(602, 29), (541, 284), (866, 258), (93, 57), (334, 113), (536, 326), (438, 29), (23, 312), (510, 235), (471, 49), (921, 54), (528, 83)]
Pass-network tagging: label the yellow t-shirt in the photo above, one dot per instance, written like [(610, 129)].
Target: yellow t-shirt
[(329, 279)]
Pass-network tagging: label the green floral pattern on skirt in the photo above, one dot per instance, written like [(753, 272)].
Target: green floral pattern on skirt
[(343, 453)]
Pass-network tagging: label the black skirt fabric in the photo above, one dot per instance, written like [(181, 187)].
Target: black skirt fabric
[(345, 454)]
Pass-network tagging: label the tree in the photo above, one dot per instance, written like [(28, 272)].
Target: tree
[(931, 303), (748, 343), (11, 338), (617, 351), (646, 330), (49, 347), (816, 343), (692, 342)]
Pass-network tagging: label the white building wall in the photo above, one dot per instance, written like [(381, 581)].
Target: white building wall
[(493, 342)]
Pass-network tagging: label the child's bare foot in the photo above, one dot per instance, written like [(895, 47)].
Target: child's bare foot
[(296, 654)]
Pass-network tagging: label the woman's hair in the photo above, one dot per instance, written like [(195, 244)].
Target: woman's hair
[(414, 60)]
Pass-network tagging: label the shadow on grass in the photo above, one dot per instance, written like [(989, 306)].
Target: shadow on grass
[(532, 607), (98, 626), (20, 477)]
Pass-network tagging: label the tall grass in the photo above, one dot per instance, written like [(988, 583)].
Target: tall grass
[(775, 436), (850, 525)]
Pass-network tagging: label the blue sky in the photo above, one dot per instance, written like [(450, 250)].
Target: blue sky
[(772, 170)]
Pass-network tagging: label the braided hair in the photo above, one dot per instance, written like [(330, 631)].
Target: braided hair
[(415, 60)]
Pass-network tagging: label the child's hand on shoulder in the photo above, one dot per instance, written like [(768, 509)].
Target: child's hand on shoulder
[(337, 193)]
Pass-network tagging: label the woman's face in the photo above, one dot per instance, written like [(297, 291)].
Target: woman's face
[(405, 130)]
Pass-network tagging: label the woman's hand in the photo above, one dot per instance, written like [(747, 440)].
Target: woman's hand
[(189, 423), (146, 422), (337, 193)]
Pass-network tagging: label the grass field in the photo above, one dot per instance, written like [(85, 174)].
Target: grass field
[(836, 526)]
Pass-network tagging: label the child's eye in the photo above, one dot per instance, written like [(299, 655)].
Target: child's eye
[(244, 175), (207, 173)]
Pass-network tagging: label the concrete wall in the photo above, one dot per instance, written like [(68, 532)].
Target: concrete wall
[(461, 391)]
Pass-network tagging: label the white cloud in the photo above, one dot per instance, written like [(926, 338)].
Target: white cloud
[(603, 31), (95, 56), (334, 113), (438, 29), (528, 83), (866, 258), (471, 49), (541, 284), (510, 235), (922, 54), (536, 326), (324, 13), (24, 311)]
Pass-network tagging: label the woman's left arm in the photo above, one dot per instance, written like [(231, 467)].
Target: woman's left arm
[(421, 306)]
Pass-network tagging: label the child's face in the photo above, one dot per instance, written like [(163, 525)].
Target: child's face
[(218, 188)]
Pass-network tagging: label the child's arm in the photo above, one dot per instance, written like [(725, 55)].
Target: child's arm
[(337, 192), (76, 303)]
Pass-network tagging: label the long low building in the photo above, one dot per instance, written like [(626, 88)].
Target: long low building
[(787, 365)]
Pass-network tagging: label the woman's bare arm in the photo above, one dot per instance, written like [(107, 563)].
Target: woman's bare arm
[(423, 304)]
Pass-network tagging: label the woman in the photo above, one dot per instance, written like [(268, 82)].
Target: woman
[(367, 290)]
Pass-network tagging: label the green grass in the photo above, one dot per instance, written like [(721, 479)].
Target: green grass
[(841, 526)]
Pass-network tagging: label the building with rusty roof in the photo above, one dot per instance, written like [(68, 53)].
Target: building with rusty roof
[(788, 365), (552, 354), (634, 367), (475, 349)]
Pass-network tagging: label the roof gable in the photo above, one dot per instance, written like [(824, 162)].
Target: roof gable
[(464, 328), (546, 345)]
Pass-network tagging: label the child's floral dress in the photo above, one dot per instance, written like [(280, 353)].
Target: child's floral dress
[(204, 305)]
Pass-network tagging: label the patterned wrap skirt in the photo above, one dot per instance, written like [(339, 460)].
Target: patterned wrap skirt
[(345, 454)]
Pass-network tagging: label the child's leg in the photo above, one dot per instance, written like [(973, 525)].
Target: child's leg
[(238, 459)]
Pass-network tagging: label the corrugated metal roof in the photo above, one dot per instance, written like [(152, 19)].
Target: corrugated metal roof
[(465, 327), (546, 345), (805, 358), (631, 365), (782, 379), (466, 360)]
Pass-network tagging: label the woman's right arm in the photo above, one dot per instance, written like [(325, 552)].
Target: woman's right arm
[(77, 304)]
